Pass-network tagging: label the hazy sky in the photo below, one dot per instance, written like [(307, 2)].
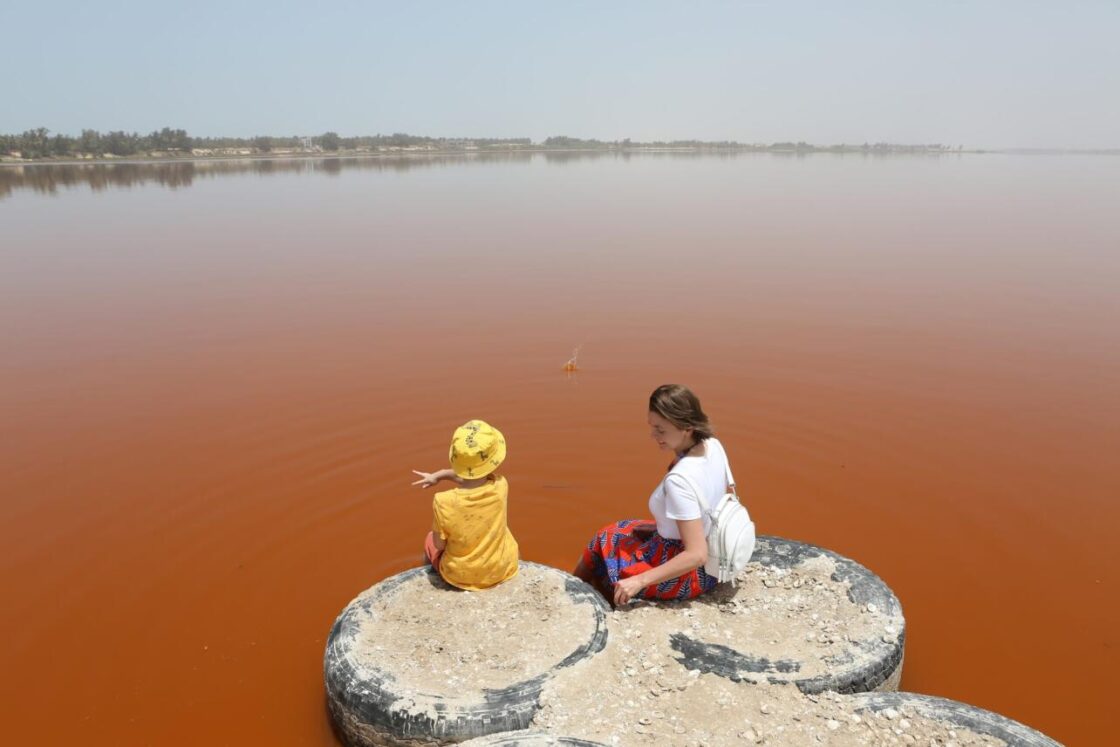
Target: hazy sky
[(982, 74)]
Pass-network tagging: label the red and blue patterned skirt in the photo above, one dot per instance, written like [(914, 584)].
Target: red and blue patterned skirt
[(616, 553)]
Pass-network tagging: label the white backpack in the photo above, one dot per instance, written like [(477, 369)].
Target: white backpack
[(731, 535)]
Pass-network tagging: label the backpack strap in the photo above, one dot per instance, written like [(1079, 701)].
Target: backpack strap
[(727, 470)]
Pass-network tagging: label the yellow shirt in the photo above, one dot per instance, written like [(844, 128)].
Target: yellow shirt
[(481, 552)]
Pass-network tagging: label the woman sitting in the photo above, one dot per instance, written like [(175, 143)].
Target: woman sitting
[(664, 558)]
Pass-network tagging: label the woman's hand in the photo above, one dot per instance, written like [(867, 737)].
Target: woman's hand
[(626, 589), (694, 555)]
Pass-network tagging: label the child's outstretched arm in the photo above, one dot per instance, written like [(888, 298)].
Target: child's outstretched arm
[(428, 479)]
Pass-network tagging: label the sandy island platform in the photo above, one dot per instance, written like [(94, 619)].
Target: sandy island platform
[(806, 648)]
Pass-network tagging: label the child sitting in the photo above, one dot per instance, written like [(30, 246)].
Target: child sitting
[(470, 545)]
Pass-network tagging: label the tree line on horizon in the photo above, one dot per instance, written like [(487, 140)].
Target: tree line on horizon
[(40, 143)]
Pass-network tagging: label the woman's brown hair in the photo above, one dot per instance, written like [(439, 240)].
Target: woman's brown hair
[(677, 404)]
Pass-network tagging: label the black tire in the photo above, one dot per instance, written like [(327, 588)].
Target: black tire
[(367, 709), (882, 669), (530, 739), (957, 714)]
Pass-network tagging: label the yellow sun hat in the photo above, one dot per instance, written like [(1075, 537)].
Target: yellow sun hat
[(477, 449)]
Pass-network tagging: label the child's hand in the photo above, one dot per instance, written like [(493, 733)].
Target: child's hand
[(427, 479)]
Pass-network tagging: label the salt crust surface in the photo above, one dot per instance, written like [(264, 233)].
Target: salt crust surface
[(798, 614), (635, 691), (442, 641)]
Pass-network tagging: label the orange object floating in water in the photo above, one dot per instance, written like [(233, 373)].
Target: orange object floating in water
[(572, 365)]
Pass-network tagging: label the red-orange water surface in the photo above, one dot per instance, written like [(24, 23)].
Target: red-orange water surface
[(215, 382)]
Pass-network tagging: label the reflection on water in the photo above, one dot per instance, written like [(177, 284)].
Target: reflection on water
[(50, 178)]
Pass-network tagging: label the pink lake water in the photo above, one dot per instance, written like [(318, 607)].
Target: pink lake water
[(215, 379)]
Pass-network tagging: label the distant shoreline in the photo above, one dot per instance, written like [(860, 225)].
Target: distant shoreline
[(168, 145), (628, 150), (421, 153)]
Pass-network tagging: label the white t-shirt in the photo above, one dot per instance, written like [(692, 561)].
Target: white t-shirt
[(675, 498)]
